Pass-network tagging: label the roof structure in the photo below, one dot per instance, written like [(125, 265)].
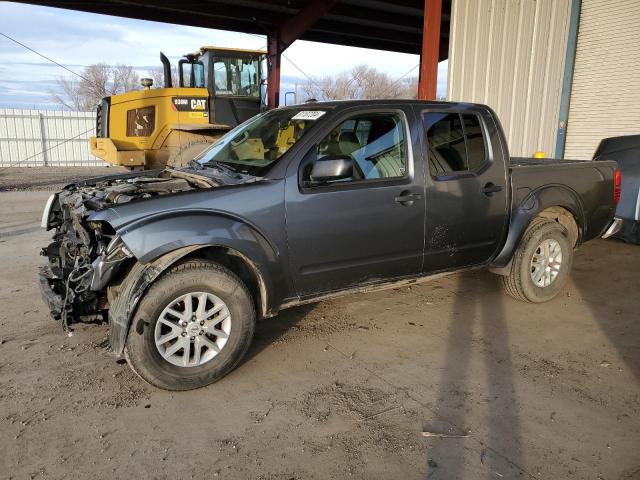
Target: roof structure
[(395, 25)]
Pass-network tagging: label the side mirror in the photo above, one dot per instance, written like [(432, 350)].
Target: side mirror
[(330, 168)]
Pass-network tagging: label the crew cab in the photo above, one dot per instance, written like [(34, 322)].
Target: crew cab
[(303, 203)]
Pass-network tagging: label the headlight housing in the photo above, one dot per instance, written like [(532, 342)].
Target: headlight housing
[(44, 223)]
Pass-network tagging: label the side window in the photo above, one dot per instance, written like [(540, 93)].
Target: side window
[(455, 142), (476, 151), (445, 140), (374, 142), (186, 74), (199, 75), (220, 77), (249, 78)]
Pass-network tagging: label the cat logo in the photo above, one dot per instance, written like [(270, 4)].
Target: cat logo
[(198, 103), (189, 104)]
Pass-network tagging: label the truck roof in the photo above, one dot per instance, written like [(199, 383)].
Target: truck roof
[(382, 102)]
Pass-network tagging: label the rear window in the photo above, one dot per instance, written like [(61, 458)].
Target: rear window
[(455, 142)]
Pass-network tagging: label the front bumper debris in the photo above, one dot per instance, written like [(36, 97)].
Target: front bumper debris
[(614, 228), (53, 300)]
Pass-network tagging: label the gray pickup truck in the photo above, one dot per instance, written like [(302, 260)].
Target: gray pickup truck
[(304, 203)]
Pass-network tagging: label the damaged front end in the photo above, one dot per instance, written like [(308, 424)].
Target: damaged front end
[(86, 256)]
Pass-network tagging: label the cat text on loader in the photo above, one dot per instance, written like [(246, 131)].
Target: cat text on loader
[(151, 128)]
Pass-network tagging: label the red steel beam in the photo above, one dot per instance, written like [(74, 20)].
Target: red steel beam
[(294, 27), (428, 81), (286, 34), (273, 79)]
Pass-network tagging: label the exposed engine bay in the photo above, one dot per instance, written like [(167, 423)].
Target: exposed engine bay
[(86, 256)]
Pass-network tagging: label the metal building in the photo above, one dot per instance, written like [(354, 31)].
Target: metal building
[(561, 74)]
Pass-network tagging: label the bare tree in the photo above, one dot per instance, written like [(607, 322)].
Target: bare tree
[(157, 75), (97, 81), (361, 82)]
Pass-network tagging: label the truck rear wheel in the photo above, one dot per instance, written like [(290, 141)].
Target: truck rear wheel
[(541, 264), (193, 326)]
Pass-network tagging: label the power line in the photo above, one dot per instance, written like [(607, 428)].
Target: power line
[(311, 80), (44, 56), (68, 70), (323, 91), (398, 80)]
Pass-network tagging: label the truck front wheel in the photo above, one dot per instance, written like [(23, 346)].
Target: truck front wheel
[(193, 326), (541, 264)]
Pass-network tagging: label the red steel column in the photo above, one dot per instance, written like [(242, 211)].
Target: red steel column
[(286, 34), (430, 50), (274, 52)]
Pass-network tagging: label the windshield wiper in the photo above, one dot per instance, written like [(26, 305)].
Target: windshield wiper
[(221, 166), (225, 167), (195, 165)]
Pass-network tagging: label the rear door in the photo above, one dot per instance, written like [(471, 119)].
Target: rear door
[(365, 229), (467, 190)]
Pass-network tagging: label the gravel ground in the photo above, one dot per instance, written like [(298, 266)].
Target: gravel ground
[(338, 389), (48, 178)]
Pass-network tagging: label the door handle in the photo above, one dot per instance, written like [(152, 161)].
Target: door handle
[(407, 198), (489, 189)]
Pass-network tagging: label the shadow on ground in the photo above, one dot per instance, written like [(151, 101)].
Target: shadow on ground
[(478, 320), (268, 331)]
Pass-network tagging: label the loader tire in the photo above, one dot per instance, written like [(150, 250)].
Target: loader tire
[(187, 152)]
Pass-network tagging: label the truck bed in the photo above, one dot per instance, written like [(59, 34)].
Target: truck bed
[(528, 162), (589, 183)]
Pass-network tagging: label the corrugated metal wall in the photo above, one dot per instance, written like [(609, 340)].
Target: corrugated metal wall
[(31, 138), (509, 54), (605, 94)]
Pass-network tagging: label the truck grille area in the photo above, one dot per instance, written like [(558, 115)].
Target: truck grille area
[(65, 282)]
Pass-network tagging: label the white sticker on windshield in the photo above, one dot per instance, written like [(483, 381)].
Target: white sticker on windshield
[(308, 115)]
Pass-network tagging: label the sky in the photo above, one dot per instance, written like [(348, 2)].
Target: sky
[(77, 39)]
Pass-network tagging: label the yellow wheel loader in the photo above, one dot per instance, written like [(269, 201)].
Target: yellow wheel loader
[(151, 128)]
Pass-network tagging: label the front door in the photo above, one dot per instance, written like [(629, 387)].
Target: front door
[(467, 201), (364, 229)]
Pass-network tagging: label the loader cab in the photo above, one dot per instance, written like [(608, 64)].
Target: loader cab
[(235, 79)]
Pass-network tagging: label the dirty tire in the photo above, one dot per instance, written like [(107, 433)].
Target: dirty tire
[(190, 276), (519, 284), (187, 152)]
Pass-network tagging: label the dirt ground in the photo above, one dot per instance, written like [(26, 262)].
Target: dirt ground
[(340, 389), (51, 179)]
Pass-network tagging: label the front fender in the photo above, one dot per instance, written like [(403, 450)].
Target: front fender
[(527, 209), (131, 291), (155, 235), (158, 241)]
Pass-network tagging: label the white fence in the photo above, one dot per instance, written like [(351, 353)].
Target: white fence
[(30, 138)]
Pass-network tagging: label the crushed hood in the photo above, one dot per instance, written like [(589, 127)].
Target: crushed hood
[(99, 193), (102, 192)]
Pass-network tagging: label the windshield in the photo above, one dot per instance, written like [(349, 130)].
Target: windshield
[(237, 76), (255, 145)]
